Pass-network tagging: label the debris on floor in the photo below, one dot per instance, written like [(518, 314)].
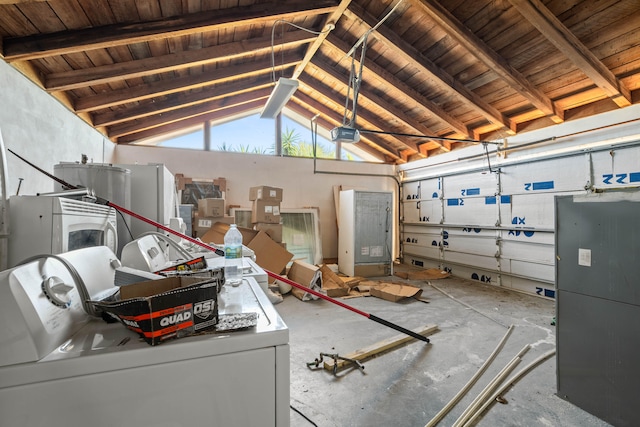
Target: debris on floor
[(421, 274), (377, 348)]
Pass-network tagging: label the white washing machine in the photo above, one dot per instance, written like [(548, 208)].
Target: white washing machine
[(73, 370)]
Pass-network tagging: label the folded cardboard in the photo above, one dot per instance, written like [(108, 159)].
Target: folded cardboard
[(393, 291), (307, 275), (164, 309), (273, 230), (421, 274), (265, 193), (265, 211), (211, 207), (269, 254), (332, 284)]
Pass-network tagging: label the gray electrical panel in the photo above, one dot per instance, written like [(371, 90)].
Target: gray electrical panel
[(364, 235), (598, 304)]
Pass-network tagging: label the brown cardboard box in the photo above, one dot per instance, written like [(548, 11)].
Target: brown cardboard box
[(216, 233), (307, 275), (265, 211), (181, 181), (269, 254), (263, 192), (273, 230), (204, 224), (167, 308), (211, 207)]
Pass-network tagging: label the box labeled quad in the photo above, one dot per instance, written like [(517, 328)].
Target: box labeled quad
[(265, 193), (211, 207), (164, 309), (265, 211)]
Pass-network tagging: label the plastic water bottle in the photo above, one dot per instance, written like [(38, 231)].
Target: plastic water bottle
[(233, 256)]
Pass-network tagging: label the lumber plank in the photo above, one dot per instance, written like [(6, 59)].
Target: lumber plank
[(379, 347)]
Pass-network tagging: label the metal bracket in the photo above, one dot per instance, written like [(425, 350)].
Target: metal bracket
[(316, 363)]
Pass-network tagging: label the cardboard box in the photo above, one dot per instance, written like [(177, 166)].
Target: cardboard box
[(263, 192), (269, 254), (273, 230), (164, 309), (307, 275), (211, 207), (216, 233), (265, 211)]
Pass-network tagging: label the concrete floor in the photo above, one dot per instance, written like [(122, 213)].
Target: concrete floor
[(409, 385)]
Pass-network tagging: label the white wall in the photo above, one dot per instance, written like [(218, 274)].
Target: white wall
[(301, 186), (498, 226), (42, 130)]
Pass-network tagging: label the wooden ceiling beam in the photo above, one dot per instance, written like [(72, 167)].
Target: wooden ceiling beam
[(366, 92), (437, 75), (566, 42), (189, 122), (161, 119), (179, 101), (328, 27), (179, 84), (65, 42), (75, 79), (371, 67), (477, 47)]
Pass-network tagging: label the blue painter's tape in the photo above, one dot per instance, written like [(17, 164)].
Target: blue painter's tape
[(453, 202), (634, 177), (505, 199), (490, 200), (543, 185), (550, 293), (473, 191)]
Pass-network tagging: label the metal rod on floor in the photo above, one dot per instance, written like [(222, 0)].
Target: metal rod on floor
[(221, 253)]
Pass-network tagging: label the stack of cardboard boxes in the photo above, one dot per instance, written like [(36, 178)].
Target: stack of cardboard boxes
[(265, 211)]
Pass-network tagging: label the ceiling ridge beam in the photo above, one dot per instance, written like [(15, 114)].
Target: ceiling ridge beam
[(160, 119), (178, 84), (477, 47), (178, 101), (435, 73), (68, 80), (189, 122), (367, 93), (73, 41), (566, 42), (370, 66), (328, 27)]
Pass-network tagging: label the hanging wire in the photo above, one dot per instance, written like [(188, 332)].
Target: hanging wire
[(356, 79), (273, 28)]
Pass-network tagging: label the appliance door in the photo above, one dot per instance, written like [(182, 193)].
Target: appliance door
[(236, 389), (81, 233)]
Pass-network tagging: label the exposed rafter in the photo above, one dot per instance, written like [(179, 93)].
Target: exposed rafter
[(551, 27)]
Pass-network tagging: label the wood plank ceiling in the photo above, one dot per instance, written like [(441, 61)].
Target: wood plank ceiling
[(450, 69)]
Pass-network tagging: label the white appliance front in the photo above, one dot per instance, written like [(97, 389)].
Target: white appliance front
[(106, 376)]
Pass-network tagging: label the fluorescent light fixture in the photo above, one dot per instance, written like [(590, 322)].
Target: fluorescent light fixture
[(283, 90)]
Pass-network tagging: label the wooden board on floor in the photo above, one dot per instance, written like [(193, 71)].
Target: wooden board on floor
[(379, 347)]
